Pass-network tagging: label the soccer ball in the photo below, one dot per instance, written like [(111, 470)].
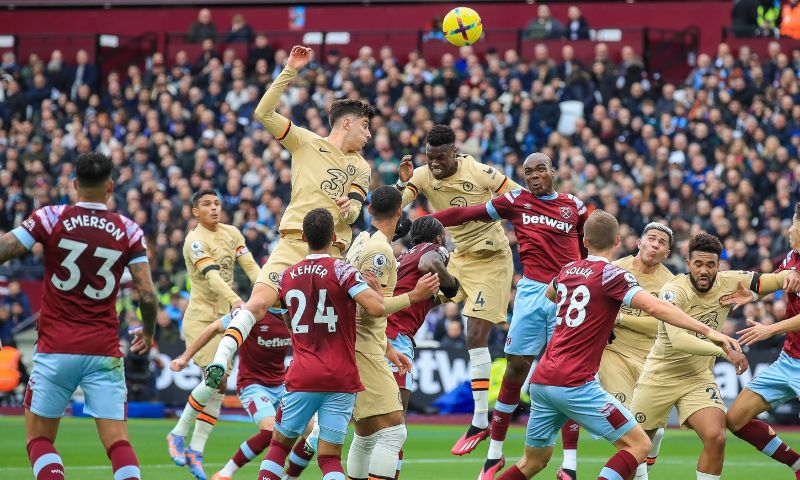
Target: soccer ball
[(462, 26)]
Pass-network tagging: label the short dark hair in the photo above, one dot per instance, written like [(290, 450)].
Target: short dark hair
[(93, 169), (385, 201), (425, 229), (441, 135), (601, 230), (318, 228), (202, 193), (705, 242), (357, 108)]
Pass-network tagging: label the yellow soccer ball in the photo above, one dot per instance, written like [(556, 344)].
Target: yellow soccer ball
[(462, 26)]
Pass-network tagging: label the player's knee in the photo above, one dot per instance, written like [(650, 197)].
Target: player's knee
[(715, 441), (393, 437), (733, 421), (267, 423)]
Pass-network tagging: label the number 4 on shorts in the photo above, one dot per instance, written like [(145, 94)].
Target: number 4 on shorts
[(479, 300)]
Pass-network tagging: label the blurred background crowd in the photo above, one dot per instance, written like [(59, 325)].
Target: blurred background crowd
[(716, 152)]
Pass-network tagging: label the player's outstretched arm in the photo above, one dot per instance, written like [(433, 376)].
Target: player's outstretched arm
[(672, 315), (275, 123), (459, 215), (371, 301), (432, 262), (249, 265), (148, 304), (201, 341), (211, 272), (757, 332), (645, 324), (11, 247)]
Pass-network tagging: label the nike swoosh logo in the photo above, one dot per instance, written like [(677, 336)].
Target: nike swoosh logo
[(438, 187), (324, 151)]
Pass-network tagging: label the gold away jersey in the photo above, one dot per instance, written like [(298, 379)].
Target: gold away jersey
[(373, 253)]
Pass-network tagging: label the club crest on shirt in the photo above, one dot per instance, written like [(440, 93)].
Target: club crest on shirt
[(468, 187), (566, 213)]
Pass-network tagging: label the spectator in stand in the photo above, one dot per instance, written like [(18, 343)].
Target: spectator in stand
[(15, 295), (261, 50), (454, 338), (544, 25), (6, 325), (83, 73), (240, 31), (577, 26), (202, 28)]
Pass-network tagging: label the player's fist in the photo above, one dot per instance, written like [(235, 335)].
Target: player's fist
[(178, 364), (792, 283), (141, 343), (344, 206), (739, 361), (214, 374), (299, 57), (406, 169), (426, 287)]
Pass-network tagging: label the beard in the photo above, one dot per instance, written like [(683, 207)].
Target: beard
[(697, 287)]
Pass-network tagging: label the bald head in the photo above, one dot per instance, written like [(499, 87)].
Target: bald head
[(539, 173)]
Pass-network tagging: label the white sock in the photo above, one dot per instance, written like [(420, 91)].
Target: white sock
[(641, 471), (706, 476), (495, 450), (570, 461), (243, 322), (656, 445), (386, 454), (197, 398), (229, 469), (359, 454), (205, 422), (480, 371)]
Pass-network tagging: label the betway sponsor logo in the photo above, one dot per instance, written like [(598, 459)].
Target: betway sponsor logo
[(545, 220), (275, 342)]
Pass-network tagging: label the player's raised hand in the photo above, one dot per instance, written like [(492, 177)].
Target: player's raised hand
[(742, 296), (739, 361), (178, 364), (792, 283), (756, 332), (299, 57), (406, 169), (426, 287), (344, 206), (724, 341)]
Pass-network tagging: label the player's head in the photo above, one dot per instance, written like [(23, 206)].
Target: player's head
[(440, 147), (93, 176), (386, 204), (318, 229), (351, 117), (427, 230), (703, 261), (600, 232), (655, 243), (539, 172), (207, 207), (794, 230)]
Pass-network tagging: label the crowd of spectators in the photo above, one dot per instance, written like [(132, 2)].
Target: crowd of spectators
[(718, 152)]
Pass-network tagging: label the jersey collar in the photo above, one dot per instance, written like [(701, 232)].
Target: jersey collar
[(92, 205), (317, 256), (597, 258), (552, 196)]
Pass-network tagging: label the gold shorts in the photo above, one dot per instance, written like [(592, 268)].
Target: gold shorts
[(652, 403), (192, 328), (291, 249), (381, 394), (485, 283), (618, 375)]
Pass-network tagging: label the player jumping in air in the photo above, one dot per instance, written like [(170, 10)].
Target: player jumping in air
[(549, 228), (482, 260), (86, 250), (677, 371), (259, 382), (427, 255), (380, 425), (588, 294), (326, 172), (779, 382), (321, 294), (633, 337), (209, 251)]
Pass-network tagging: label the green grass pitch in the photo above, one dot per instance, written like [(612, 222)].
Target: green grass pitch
[(427, 453)]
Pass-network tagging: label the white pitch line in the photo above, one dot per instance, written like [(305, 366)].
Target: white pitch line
[(600, 460)]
